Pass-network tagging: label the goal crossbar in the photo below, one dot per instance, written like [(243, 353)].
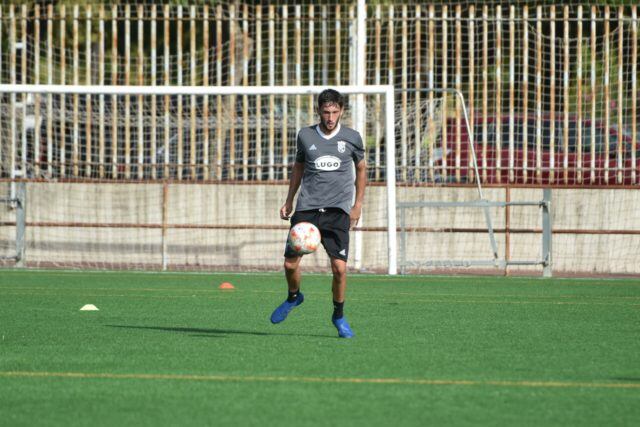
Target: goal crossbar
[(191, 90)]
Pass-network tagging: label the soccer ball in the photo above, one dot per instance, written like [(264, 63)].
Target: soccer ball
[(304, 238)]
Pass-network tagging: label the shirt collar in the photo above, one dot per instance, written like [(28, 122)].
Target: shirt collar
[(331, 135)]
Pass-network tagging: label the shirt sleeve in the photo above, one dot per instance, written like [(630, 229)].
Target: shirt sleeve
[(358, 149), (300, 157)]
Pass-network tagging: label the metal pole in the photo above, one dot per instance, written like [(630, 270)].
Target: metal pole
[(390, 150), (360, 80), (487, 214), (403, 241), (546, 233), (165, 208), (120, 90), (507, 230), (21, 221)]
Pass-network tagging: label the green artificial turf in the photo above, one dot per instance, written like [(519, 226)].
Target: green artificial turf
[(173, 349)]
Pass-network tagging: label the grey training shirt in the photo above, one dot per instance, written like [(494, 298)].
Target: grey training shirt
[(328, 179)]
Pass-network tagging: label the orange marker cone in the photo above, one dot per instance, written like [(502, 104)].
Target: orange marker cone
[(226, 286)]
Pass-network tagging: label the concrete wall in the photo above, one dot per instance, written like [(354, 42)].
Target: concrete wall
[(135, 237)]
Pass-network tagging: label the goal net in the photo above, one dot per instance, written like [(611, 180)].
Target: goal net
[(446, 219), (449, 221), (165, 177), (192, 177)]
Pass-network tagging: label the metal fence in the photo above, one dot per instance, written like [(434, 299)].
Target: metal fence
[(551, 89)]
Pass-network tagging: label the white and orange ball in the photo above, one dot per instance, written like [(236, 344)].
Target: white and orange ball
[(304, 238)]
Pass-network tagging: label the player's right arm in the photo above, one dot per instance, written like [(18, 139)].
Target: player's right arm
[(294, 184)]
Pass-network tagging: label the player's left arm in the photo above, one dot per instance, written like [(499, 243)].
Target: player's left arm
[(361, 183)]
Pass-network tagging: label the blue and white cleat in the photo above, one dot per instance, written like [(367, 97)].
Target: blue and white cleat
[(283, 310), (344, 330)]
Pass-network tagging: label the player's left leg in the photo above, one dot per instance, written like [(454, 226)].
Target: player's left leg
[(334, 227), (338, 288), (339, 283)]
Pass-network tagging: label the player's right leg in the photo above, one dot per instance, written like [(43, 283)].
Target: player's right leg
[(292, 271), (295, 297)]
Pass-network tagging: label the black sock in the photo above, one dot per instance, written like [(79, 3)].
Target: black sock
[(293, 296), (338, 310)]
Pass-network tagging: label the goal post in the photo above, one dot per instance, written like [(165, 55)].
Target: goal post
[(112, 116)]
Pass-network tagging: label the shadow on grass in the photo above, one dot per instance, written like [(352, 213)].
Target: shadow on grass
[(209, 332)]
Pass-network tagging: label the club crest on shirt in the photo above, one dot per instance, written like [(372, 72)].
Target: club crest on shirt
[(342, 146)]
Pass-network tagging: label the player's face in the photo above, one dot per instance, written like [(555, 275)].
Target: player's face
[(330, 117)]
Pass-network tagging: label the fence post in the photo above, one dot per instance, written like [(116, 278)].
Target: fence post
[(165, 214), (21, 221), (546, 233)]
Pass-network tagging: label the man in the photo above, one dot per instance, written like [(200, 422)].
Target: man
[(325, 156)]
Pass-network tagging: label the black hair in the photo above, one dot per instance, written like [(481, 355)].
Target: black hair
[(330, 96)]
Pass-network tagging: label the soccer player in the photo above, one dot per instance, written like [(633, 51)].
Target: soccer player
[(324, 169)]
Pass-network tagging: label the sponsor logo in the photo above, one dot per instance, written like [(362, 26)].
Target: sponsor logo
[(327, 163), (341, 146), (313, 147), (343, 252)]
